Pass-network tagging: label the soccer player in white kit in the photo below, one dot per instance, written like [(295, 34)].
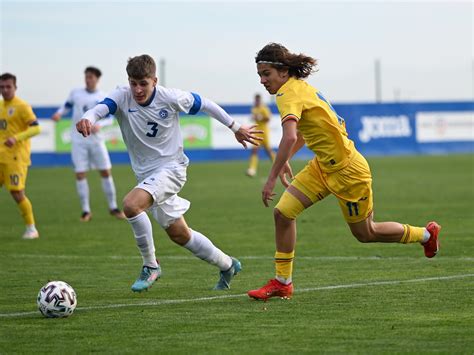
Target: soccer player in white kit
[(148, 116), (92, 152)]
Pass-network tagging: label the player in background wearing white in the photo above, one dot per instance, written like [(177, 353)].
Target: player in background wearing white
[(92, 152), (148, 116)]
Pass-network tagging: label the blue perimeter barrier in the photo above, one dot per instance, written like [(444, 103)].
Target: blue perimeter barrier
[(405, 128)]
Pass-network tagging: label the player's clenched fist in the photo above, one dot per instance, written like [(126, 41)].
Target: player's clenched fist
[(84, 127)]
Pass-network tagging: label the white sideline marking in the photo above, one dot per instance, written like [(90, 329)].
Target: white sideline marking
[(210, 298), (245, 257)]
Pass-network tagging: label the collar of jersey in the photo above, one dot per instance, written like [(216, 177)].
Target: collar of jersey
[(150, 99), (9, 102), (288, 82)]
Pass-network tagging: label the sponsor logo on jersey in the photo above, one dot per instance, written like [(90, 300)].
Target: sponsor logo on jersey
[(163, 113), (130, 110), (374, 127)]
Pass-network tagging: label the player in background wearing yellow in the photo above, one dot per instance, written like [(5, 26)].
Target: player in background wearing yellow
[(18, 124), (337, 168), (261, 115)]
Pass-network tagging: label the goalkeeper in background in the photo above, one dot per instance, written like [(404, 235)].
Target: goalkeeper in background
[(18, 124), (261, 115)]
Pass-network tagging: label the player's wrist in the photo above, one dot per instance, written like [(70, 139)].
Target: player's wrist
[(235, 126)]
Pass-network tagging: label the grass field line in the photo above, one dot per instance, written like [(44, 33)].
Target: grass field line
[(243, 257), (220, 297)]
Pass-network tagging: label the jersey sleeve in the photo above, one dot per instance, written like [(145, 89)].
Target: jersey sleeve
[(289, 106), (114, 100), (183, 101), (27, 114), (67, 106)]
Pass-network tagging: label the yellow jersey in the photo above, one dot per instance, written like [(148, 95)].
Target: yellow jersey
[(323, 130), (259, 113), (15, 116)]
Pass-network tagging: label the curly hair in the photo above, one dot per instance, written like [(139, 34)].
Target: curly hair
[(299, 65)]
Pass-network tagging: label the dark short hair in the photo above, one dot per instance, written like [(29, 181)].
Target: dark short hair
[(8, 76), (93, 70), (141, 67)]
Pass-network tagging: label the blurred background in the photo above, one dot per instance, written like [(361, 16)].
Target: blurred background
[(400, 73)]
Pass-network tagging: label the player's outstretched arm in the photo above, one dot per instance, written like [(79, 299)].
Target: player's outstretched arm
[(242, 134), (84, 126), (248, 134)]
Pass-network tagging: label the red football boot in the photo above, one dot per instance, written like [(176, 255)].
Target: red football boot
[(432, 245), (273, 288)]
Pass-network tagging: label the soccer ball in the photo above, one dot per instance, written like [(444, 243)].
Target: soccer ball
[(56, 299)]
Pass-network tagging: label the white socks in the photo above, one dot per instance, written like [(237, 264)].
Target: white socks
[(283, 280), (109, 189), (83, 192), (141, 226), (426, 236), (203, 248), (199, 245)]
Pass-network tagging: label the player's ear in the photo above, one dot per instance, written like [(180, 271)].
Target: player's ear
[(283, 72), (155, 81)]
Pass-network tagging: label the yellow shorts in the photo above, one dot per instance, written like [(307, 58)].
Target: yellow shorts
[(265, 135), (352, 186), (13, 176)]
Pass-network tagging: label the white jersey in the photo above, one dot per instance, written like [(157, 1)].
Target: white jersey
[(152, 132), (80, 101)]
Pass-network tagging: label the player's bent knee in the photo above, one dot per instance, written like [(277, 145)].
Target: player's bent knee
[(105, 173), (279, 216), (18, 196), (130, 208)]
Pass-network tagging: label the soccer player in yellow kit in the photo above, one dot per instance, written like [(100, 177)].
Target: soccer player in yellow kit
[(261, 115), (18, 124), (337, 168)]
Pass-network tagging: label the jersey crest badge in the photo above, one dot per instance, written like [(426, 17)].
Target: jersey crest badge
[(163, 113), (10, 111)]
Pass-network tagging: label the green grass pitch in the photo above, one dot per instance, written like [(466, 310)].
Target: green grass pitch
[(349, 297)]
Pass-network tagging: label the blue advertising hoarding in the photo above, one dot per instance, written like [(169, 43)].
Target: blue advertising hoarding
[(405, 128)]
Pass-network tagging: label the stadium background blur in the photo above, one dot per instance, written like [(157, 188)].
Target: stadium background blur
[(401, 74), (379, 52)]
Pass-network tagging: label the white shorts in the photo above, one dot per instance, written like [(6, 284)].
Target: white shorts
[(90, 155), (163, 185)]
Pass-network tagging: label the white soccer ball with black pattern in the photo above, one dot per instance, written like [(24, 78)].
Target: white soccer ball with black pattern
[(57, 299)]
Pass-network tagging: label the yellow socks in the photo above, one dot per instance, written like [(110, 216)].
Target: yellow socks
[(412, 234), (253, 162), (284, 266), (26, 211)]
